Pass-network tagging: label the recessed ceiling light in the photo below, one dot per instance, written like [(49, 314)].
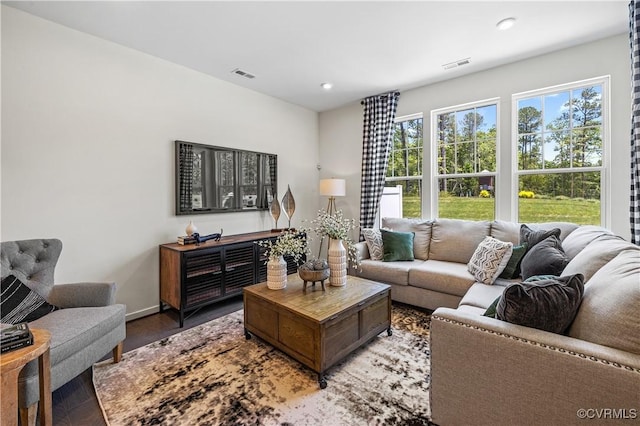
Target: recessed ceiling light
[(326, 86), (506, 23)]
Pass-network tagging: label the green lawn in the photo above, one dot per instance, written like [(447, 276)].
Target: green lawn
[(584, 212)]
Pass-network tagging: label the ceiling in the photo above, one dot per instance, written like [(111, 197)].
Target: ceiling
[(362, 47)]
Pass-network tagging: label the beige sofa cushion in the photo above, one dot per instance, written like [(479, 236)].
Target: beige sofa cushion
[(482, 295), (421, 229), (445, 277), (609, 313), (456, 240), (566, 228), (595, 255), (506, 231), (387, 272), (581, 237)]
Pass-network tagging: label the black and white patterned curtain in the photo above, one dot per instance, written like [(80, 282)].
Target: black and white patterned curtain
[(186, 176), (379, 117), (634, 207)]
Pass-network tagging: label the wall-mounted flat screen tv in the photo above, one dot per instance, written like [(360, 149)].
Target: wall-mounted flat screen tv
[(214, 179)]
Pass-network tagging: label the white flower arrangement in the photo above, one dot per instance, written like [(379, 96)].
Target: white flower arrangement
[(289, 243), (337, 227)]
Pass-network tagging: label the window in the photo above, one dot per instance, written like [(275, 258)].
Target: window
[(405, 164), (465, 140), (558, 161)]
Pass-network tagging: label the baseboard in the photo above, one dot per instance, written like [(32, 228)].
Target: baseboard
[(142, 313)]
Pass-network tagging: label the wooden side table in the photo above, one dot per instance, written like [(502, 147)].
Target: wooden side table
[(11, 363)]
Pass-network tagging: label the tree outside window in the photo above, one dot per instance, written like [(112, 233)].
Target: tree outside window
[(560, 153), (405, 164), (465, 150)]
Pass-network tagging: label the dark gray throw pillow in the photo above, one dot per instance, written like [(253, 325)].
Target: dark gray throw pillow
[(533, 236), (545, 258), (549, 305), (21, 304)]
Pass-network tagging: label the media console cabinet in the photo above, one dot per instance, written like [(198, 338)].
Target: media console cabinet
[(192, 276)]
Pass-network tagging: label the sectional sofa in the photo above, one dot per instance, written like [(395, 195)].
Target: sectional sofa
[(488, 371)]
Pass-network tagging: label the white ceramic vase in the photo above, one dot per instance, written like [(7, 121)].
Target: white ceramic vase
[(276, 273), (191, 228), (337, 259)]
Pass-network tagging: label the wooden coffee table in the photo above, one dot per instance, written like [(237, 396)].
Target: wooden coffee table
[(318, 328)]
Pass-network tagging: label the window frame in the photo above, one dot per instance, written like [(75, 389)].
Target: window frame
[(604, 169), (420, 177), (435, 176)]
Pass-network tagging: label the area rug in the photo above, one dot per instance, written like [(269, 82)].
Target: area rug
[(212, 375)]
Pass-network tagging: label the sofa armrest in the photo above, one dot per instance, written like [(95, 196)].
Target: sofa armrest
[(82, 295), (487, 371)]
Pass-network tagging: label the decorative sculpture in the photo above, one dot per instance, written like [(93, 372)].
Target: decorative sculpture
[(204, 238), (274, 209), (288, 204)]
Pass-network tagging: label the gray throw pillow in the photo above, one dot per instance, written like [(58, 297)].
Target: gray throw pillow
[(534, 236), (549, 305), (545, 258)]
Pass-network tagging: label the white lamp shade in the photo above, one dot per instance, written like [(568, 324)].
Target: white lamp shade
[(333, 187)]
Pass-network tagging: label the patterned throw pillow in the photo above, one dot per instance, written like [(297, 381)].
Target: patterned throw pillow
[(21, 304), (373, 237), (489, 260)]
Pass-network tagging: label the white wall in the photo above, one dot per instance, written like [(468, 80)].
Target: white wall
[(88, 155), (341, 129)]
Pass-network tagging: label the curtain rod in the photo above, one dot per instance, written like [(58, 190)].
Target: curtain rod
[(395, 92)]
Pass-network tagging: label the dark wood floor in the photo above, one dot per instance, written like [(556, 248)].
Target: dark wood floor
[(76, 404)]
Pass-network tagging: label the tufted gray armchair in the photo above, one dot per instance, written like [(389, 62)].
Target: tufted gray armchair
[(89, 326)]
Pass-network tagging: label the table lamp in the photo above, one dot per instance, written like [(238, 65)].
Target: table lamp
[(332, 188)]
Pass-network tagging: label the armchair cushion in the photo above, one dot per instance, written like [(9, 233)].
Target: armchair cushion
[(21, 304)]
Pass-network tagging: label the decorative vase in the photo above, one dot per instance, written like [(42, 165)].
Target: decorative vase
[(276, 273), (191, 228), (337, 258)]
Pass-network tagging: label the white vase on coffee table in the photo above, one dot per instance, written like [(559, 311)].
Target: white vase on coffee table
[(337, 259), (276, 273)]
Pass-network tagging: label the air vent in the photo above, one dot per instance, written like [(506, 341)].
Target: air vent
[(242, 73), (456, 64)]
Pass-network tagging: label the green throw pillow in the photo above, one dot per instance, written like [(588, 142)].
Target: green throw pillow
[(397, 245), (491, 310), (512, 270)]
